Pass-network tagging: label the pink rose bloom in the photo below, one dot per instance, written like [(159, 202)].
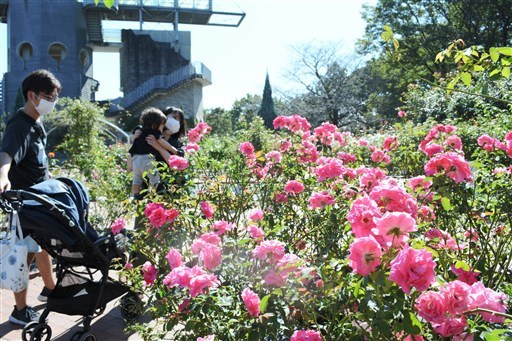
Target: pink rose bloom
[(197, 246), (413, 268), (454, 142), (247, 149), (211, 255), (486, 142), (320, 200), (197, 133), (150, 208), (400, 336), (431, 306), (280, 198), (206, 209), (174, 258), (390, 143), (149, 272), (179, 276), (307, 152), (293, 187), (171, 215), (201, 283), (361, 216), (269, 250), (275, 279), (251, 301), (118, 225), (419, 182), (378, 156), (426, 213), (451, 326), (468, 276), (288, 263), (206, 338), (329, 168), (362, 142), (452, 164), (393, 228), (255, 232), (210, 238), (158, 217), (402, 114), (457, 297), (256, 214), (177, 163), (285, 146), (346, 158), (220, 227), (487, 298), (128, 266), (191, 148), (365, 253), (306, 335), (394, 198), (273, 156)]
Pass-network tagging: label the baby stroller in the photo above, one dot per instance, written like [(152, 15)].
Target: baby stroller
[(54, 213)]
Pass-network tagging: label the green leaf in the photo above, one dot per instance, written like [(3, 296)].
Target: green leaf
[(494, 54), (387, 35), (108, 3), (506, 51), (445, 202), (505, 72), (264, 303), (477, 68), (357, 288), (96, 2), (461, 265), (466, 78), (494, 72)]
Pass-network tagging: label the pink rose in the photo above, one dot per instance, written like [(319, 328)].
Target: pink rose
[(149, 272), (174, 258), (306, 335), (413, 268), (118, 225), (251, 301), (365, 253)]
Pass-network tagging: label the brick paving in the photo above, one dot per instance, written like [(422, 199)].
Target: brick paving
[(108, 326)]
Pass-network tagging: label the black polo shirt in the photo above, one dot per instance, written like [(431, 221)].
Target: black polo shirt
[(25, 141)]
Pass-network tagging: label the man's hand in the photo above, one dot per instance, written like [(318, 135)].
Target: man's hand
[(5, 166)]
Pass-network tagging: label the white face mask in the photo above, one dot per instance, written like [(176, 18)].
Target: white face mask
[(45, 107), (173, 125)]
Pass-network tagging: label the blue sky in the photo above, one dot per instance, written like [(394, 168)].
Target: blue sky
[(240, 57)]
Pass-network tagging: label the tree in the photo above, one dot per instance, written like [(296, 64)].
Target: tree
[(267, 110), (334, 92), (245, 109), (425, 27)]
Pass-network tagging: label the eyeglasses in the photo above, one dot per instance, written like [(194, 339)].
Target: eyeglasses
[(48, 97)]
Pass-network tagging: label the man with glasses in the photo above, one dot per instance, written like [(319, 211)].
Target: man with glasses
[(23, 163)]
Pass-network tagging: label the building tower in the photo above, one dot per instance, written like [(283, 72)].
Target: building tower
[(156, 67)]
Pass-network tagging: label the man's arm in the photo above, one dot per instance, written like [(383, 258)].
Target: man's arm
[(5, 166)]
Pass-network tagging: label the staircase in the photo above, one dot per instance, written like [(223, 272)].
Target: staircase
[(94, 30), (144, 93)]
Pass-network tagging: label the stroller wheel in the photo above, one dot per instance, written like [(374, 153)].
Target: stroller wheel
[(83, 336), (131, 306), (35, 331)]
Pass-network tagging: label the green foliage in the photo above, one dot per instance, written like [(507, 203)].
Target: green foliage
[(83, 154)]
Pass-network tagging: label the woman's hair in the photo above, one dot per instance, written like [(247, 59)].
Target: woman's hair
[(152, 118), (181, 115)]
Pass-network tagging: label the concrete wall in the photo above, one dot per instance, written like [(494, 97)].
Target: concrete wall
[(188, 97)]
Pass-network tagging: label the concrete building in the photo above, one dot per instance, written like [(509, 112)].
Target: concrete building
[(156, 67)]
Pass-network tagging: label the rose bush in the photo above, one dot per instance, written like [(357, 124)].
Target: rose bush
[(309, 234)]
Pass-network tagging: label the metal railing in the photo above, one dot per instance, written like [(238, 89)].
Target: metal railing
[(172, 80), (185, 4)]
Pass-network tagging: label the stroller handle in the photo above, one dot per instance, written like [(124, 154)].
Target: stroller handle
[(18, 196)]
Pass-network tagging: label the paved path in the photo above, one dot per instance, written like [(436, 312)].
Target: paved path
[(108, 326)]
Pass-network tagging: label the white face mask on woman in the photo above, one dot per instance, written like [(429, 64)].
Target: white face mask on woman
[(45, 107), (173, 125)]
